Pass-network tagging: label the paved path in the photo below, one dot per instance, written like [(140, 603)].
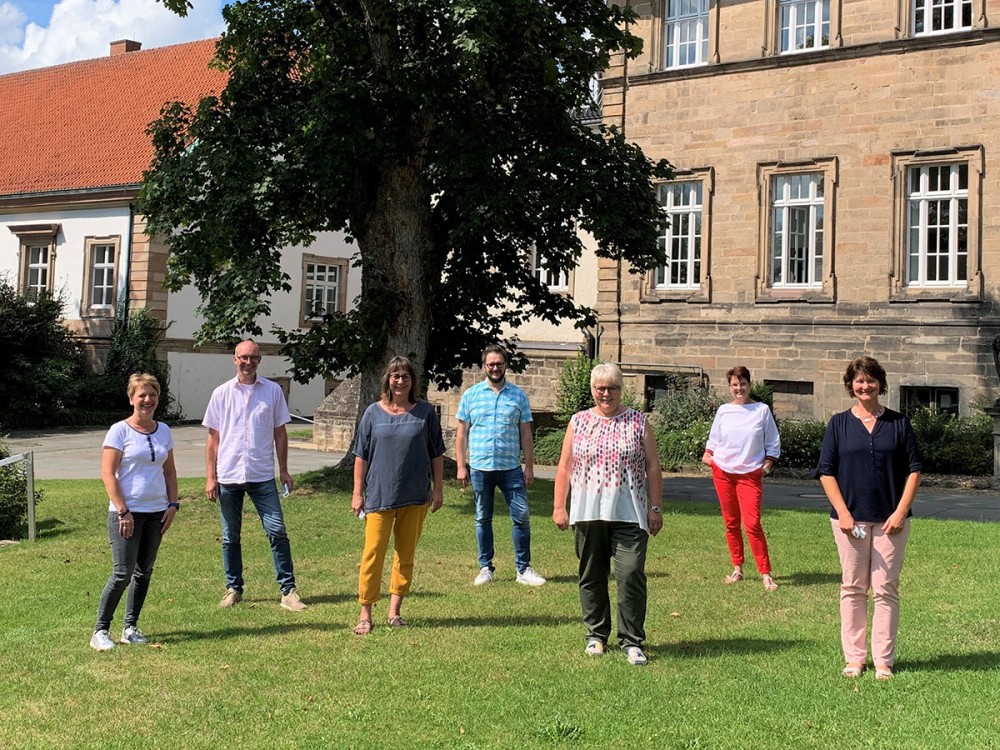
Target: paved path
[(75, 454)]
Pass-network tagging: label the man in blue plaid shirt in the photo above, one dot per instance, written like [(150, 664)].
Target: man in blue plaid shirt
[(494, 423)]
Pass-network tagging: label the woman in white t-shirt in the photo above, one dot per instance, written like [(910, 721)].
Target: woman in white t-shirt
[(137, 467), (743, 445)]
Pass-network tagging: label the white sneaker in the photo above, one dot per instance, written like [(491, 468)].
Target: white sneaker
[(133, 635), (594, 647), (635, 656), (101, 641), (528, 577), (485, 576)]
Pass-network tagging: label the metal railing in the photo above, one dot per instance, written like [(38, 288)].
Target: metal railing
[(29, 474)]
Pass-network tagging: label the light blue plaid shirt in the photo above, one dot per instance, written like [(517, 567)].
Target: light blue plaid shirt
[(494, 421)]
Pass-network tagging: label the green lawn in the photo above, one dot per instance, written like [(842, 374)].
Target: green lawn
[(496, 667)]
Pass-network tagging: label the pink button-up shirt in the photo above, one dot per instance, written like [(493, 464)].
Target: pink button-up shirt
[(246, 417)]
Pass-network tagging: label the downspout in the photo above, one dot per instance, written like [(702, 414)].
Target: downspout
[(125, 269), (618, 275)]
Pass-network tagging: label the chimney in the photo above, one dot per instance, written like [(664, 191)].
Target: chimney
[(123, 46)]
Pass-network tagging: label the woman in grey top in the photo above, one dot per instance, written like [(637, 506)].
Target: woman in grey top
[(398, 474)]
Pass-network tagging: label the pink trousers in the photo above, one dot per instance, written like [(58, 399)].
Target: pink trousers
[(875, 563), (740, 497)]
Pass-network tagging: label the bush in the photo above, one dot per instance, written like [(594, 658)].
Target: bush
[(685, 405), (133, 349), (13, 498), (680, 448), (954, 445), (548, 447), (800, 443), (41, 371)]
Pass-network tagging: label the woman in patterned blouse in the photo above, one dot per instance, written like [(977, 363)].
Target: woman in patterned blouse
[(610, 468)]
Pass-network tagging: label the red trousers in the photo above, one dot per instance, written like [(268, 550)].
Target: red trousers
[(740, 497)]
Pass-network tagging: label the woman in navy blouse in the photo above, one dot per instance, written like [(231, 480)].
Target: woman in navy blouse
[(869, 467)]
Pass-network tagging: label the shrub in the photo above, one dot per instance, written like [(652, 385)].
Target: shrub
[(684, 405), (574, 389), (42, 367), (684, 447), (954, 445), (133, 349), (800, 443), (548, 447), (13, 498)]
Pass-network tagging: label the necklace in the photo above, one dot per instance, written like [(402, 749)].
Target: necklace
[(872, 417)]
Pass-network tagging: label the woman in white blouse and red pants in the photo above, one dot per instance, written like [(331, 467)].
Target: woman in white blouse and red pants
[(742, 446)]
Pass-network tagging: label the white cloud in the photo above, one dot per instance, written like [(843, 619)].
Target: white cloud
[(83, 29)]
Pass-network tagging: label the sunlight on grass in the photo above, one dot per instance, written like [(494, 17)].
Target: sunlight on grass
[(500, 666)]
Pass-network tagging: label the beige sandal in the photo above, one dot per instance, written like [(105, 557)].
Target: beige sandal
[(769, 583), (853, 671), (883, 674), (734, 577)]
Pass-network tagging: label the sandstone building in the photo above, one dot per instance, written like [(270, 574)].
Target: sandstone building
[(836, 194)]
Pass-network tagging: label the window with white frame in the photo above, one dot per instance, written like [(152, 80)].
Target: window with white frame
[(324, 287), (941, 16), (100, 291), (685, 33), (803, 25), (797, 229), (681, 240), (37, 279), (937, 225), (556, 279)]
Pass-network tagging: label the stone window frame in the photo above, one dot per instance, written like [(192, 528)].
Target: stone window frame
[(343, 264), (659, 40), (906, 12), (899, 288), (826, 290), (703, 291), (35, 235), (87, 307), (772, 28)]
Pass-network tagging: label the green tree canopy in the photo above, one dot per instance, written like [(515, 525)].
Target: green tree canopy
[(439, 135)]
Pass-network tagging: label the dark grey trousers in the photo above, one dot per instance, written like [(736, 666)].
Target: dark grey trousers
[(597, 544), (133, 560)]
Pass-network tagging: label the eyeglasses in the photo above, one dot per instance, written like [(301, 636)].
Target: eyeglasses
[(496, 366), (247, 358), (400, 377), (607, 388)]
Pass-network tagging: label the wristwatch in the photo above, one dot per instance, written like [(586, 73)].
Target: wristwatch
[(655, 508), (176, 506)]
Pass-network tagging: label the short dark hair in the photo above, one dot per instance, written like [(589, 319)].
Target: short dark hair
[(495, 349), (870, 367), (395, 365), (739, 372)]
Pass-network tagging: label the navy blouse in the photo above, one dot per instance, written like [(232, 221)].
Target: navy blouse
[(871, 468)]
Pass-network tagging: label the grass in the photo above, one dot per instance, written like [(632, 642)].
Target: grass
[(495, 667), (305, 435)]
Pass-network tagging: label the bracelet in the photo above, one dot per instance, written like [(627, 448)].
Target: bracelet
[(123, 513), (175, 506)]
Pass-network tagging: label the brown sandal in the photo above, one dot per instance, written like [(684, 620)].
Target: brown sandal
[(364, 627)]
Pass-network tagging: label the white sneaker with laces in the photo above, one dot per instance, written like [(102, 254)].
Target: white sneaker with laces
[(485, 576), (101, 641), (635, 656), (528, 577), (133, 635), (594, 647)]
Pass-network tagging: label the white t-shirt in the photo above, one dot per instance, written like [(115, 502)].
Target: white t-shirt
[(140, 472), (742, 436)]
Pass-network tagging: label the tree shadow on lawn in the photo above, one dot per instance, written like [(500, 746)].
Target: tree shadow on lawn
[(53, 527), (810, 578), (493, 622), (722, 647), (173, 637), (982, 661)]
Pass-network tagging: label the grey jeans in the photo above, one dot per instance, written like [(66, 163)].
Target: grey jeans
[(133, 560), (597, 544)]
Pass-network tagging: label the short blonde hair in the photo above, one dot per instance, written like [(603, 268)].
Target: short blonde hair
[(138, 379), (607, 373)]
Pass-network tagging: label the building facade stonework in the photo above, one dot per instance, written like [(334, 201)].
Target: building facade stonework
[(835, 196)]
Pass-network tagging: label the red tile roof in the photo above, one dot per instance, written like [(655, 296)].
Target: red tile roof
[(83, 125)]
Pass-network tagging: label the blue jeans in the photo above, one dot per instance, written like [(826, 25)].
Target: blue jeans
[(511, 484), (264, 496)]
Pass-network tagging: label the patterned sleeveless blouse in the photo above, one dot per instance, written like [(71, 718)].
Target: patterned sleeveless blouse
[(608, 482)]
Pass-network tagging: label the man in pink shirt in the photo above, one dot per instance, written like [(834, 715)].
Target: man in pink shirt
[(246, 419)]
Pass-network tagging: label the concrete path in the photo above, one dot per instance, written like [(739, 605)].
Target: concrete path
[(76, 454)]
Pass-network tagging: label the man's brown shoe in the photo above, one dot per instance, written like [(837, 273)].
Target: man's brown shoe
[(292, 601), (231, 598)]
